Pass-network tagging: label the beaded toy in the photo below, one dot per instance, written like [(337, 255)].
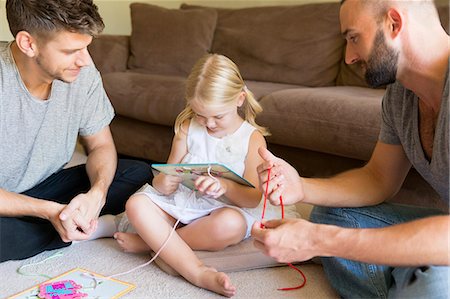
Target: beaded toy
[(64, 289)]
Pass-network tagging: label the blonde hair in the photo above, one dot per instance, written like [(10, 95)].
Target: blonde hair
[(215, 80)]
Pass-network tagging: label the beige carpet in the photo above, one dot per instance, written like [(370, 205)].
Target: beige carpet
[(105, 257)]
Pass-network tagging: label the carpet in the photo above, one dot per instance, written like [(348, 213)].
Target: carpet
[(105, 257)]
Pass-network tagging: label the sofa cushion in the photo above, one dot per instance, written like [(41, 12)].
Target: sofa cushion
[(156, 99), (339, 120), (169, 41), (261, 89), (110, 52), (287, 44), (443, 11)]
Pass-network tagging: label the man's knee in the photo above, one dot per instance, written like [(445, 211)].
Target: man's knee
[(319, 214), (136, 170), (381, 215), (421, 282), (333, 216)]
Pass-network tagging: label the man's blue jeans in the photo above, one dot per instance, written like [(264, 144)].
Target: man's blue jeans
[(360, 280), (23, 237)]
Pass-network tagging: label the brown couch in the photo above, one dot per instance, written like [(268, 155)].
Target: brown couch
[(322, 116)]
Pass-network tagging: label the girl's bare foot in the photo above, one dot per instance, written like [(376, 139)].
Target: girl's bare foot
[(219, 282), (131, 242)]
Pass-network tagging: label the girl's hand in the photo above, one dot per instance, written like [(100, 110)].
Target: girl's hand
[(166, 184), (211, 186)]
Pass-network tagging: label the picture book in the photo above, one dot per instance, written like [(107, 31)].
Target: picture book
[(190, 172), (76, 284)]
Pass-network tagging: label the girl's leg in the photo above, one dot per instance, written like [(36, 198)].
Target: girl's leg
[(224, 227), (153, 228), (131, 241)]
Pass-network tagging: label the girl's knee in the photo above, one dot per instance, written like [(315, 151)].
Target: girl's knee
[(229, 227), (136, 204), (230, 219)]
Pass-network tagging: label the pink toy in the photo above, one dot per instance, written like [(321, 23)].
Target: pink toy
[(64, 289)]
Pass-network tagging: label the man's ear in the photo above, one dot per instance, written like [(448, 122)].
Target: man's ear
[(395, 21), (26, 43)]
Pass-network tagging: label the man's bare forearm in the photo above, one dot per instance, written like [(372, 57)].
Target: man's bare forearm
[(101, 166), (354, 188), (18, 205), (377, 181), (420, 242)]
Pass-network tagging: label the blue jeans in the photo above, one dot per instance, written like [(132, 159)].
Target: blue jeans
[(23, 237), (360, 280)]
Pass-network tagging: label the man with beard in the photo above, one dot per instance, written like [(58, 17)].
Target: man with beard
[(369, 248), (50, 93)]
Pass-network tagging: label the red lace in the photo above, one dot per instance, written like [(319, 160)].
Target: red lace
[(282, 217)]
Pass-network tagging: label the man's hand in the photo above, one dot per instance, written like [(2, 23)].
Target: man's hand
[(68, 229), (286, 240), (82, 212), (284, 179)]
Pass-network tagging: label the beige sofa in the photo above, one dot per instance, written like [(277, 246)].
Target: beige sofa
[(322, 116)]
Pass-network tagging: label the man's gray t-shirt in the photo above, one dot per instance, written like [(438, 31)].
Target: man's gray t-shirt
[(400, 125), (38, 137)]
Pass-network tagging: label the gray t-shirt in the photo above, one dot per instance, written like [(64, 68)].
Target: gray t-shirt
[(400, 125), (37, 138)]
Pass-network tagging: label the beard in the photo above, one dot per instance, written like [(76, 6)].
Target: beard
[(381, 67), (54, 75)]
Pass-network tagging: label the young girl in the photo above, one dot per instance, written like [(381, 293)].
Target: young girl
[(217, 125)]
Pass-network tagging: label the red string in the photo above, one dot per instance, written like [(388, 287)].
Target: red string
[(282, 217)]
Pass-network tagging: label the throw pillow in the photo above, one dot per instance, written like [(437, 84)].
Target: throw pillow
[(298, 44), (169, 41)]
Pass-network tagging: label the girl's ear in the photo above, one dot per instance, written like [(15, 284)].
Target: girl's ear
[(241, 99)]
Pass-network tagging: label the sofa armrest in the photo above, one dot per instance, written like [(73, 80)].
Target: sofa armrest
[(110, 52)]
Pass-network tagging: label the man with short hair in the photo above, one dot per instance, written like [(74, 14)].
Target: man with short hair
[(369, 248), (51, 93)]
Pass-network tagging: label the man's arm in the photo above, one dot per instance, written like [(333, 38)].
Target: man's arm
[(380, 179), (19, 205), (101, 162), (399, 245), (419, 242), (101, 166)]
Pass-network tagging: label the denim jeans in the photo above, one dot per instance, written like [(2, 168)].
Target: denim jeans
[(23, 237), (361, 280)]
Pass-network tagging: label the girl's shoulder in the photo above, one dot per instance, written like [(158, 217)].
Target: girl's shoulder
[(183, 132), (184, 128), (257, 138)]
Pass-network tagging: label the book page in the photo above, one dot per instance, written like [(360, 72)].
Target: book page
[(190, 172)]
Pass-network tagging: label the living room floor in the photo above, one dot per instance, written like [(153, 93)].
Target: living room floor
[(105, 257)]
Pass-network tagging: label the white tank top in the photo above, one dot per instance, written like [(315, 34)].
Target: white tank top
[(230, 150)]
